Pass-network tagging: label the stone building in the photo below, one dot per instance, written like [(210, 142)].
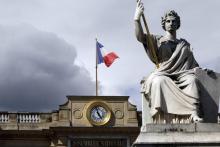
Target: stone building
[(83, 121)]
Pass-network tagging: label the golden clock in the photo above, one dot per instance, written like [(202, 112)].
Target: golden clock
[(98, 113)]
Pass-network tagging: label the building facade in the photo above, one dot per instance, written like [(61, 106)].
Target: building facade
[(83, 121)]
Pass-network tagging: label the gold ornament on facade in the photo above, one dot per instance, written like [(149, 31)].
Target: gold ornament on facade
[(98, 113)]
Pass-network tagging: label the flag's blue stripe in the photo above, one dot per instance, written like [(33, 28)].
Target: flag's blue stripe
[(99, 45), (99, 54)]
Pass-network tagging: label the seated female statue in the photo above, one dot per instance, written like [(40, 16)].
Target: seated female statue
[(173, 87)]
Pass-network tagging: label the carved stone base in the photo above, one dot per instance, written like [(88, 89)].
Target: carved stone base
[(164, 118), (175, 135)]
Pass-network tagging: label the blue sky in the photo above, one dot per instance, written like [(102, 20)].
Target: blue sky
[(47, 47)]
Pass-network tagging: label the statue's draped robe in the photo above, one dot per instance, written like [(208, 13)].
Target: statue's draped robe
[(173, 87)]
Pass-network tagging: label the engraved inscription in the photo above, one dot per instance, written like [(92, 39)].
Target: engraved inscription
[(99, 143)]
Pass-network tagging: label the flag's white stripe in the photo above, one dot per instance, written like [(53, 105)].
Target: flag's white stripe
[(103, 52)]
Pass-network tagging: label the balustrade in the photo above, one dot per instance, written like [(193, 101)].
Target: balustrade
[(4, 117), (28, 118)]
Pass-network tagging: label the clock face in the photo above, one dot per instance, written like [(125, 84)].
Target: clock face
[(98, 113)]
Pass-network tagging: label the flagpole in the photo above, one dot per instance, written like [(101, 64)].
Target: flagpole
[(96, 69)]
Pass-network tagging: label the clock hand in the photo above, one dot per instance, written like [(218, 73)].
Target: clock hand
[(97, 110)]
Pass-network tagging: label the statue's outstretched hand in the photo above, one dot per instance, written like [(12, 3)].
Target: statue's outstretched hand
[(209, 71), (139, 10)]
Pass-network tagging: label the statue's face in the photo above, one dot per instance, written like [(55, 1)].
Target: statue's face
[(171, 23)]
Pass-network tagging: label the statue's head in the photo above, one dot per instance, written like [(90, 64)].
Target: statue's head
[(170, 15)]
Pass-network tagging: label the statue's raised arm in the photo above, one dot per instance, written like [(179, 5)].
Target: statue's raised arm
[(147, 39), (137, 19)]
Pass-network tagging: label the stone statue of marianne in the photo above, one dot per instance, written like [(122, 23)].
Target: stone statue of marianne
[(173, 87)]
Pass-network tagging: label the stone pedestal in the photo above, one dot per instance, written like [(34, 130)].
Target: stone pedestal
[(175, 135)]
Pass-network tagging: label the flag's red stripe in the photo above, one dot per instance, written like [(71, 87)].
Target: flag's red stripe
[(109, 58)]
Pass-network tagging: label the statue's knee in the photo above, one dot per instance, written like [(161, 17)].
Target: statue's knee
[(192, 79), (159, 79)]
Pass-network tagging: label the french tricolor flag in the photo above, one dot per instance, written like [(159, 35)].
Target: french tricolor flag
[(103, 56)]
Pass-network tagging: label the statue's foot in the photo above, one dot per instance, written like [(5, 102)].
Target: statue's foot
[(196, 119)]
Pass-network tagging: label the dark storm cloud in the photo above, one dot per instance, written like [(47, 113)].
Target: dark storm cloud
[(37, 70)]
